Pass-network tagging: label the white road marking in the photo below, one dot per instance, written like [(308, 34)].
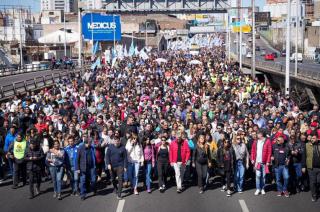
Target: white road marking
[(120, 205), (243, 205)]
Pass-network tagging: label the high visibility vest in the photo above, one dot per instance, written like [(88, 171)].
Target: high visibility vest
[(19, 149)]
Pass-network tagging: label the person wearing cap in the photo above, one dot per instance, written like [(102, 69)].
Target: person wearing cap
[(33, 158), (261, 157), (179, 155)]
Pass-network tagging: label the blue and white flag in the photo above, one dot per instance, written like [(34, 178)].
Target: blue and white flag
[(131, 50), (136, 51), (144, 55), (125, 51), (95, 47)]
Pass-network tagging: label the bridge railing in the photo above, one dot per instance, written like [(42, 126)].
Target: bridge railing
[(263, 65), (7, 71), (22, 87)]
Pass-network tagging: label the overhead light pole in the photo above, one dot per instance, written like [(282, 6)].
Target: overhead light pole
[(64, 28), (240, 43), (297, 27), (287, 75), (80, 37), (253, 73)]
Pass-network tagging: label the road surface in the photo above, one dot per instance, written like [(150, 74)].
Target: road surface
[(188, 201), (308, 65)]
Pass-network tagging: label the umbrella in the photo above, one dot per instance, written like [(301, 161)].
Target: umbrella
[(195, 62), (161, 60)]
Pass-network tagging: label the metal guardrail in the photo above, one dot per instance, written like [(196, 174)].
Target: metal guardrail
[(22, 87), (5, 71), (308, 74)]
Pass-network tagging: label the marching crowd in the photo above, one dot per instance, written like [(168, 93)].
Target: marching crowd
[(144, 121)]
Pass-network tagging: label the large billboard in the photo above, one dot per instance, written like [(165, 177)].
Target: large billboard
[(98, 27), (263, 18)]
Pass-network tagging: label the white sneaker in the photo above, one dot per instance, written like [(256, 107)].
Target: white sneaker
[(257, 192), (224, 188), (228, 193), (263, 192)]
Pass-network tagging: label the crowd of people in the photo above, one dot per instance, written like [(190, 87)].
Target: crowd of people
[(141, 122)]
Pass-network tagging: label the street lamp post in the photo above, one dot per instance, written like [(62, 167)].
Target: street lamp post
[(80, 37), (146, 42), (297, 22), (20, 44), (253, 41), (64, 29), (287, 75), (240, 42)]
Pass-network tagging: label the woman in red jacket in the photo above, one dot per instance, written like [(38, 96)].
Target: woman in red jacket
[(179, 155), (260, 158)]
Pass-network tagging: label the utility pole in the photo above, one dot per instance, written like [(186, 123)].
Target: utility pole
[(253, 74), (287, 76), (20, 45), (297, 27), (80, 37), (146, 42), (64, 28), (114, 35), (240, 43), (228, 33)]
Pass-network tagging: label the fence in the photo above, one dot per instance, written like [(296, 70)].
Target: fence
[(22, 87), (276, 67), (7, 71)]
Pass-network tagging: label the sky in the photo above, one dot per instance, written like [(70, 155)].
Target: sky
[(35, 4)]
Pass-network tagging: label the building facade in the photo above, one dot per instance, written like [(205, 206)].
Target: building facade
[(65, 5)]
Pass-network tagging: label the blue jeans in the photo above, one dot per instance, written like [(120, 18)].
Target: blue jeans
[(298, 170), (56, 175), (74, 179), (91, 175), (282, 172), (261, 177), (148, 167), (133, 171), (239, 175), (10, 163)]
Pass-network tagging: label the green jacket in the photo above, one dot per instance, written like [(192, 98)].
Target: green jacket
[(309, 154)]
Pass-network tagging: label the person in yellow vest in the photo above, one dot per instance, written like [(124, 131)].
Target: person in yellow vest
[(17, 151)]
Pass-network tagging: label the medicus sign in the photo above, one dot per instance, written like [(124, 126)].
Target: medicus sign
[(98, 27)]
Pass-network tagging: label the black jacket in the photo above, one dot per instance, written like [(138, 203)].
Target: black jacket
[(281, 154), (201, 156), (300, 148), (221, 159), (34, 164), (117, 156)]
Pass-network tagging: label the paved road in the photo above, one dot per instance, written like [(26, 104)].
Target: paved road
[(189, 201), (306, 65), (21, 77)]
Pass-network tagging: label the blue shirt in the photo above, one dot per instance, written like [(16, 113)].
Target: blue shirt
[(9, 139), (71, 155)]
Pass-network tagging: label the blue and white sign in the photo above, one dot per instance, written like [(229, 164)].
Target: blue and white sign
[(98, 27)]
